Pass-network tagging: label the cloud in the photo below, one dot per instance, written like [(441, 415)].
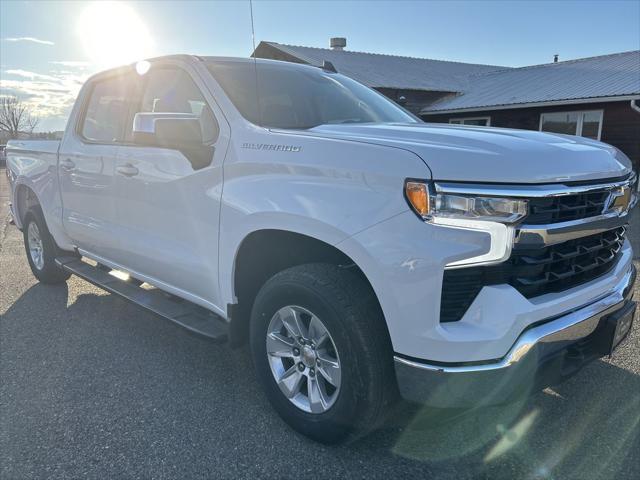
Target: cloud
[(50, 95), (71, 63), (29, 39), (31, 75)]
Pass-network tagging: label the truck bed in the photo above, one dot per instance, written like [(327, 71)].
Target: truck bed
[(33, 146)]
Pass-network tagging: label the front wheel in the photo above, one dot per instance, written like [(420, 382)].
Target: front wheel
[(322, 352), (41, 249)]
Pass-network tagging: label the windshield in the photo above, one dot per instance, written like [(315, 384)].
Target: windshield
[(302, 98)]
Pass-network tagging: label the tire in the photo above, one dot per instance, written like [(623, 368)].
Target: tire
[(43, 254), (360, 397)]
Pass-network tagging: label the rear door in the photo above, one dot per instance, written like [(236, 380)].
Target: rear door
[(167, 200), (87, 161)]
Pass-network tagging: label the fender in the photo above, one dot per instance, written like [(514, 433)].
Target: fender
[(326, 189), (36, 170)]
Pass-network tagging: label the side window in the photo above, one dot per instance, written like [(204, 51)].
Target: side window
[(106, 111), (173, 90), (477, 121)]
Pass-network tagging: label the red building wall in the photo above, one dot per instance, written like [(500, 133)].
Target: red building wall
[(620, 125)]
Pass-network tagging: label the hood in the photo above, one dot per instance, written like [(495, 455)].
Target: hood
[(495, 155)]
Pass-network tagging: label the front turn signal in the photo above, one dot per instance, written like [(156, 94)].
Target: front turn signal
[(418, 197)]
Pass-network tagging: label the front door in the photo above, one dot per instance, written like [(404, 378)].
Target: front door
[(167, 200)]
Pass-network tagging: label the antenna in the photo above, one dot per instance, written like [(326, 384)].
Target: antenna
[(253, 32), (255, 63)]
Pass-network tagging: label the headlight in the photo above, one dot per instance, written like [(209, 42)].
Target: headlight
[(429, 204)]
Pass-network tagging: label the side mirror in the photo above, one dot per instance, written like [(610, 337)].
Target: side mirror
[(168, 130)]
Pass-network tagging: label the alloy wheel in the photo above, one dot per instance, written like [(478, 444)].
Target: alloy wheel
[(36, 250), (303, 358)]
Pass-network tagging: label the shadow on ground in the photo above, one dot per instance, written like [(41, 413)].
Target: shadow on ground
[(96, 387)]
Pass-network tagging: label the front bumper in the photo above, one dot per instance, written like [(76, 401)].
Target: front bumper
[(543, 355)]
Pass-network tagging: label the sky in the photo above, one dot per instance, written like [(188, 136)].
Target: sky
[(48, 48)]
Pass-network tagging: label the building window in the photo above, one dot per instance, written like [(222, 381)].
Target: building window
[(477, 121), (586, 124)]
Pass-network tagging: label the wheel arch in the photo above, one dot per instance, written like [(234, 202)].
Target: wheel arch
[(25, 198), (26, 195), (265, 252)]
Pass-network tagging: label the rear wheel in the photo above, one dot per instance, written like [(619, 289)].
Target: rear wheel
[(41, 249), (322, 352)]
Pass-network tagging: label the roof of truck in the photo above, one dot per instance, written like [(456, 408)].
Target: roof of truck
[(187, 57), (260, 61)]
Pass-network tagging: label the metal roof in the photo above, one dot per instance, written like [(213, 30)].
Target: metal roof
[(390, 71), (615, 75)]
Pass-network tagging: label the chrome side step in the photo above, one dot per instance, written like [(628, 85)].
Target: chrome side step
[(186, 314)]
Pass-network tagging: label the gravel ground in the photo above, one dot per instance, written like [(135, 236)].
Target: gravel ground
[(94, 387)]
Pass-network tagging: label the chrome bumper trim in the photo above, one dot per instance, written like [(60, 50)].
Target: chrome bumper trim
[(570, 327)]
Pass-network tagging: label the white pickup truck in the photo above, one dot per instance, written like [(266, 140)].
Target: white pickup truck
[(359, 251)]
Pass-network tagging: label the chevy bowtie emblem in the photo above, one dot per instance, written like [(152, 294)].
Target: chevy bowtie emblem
[(619, 200)]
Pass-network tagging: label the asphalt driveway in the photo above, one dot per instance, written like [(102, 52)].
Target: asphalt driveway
[(94, 387)]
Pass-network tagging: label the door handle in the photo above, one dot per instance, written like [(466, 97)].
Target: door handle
[(67, 164), (127, 170)]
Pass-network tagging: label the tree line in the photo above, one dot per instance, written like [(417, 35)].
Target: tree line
[(16, 118)]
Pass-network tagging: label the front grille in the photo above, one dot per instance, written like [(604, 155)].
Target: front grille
[(564, 208), (533, 271)]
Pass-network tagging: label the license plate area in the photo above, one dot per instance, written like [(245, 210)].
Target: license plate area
[(619, 325)]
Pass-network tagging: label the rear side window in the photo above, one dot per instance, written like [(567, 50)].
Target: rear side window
[(106, 112)]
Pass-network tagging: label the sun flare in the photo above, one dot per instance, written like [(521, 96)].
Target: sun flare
[(113, 34)]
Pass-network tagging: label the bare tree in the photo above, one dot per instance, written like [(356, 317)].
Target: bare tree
[(16, 117)]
